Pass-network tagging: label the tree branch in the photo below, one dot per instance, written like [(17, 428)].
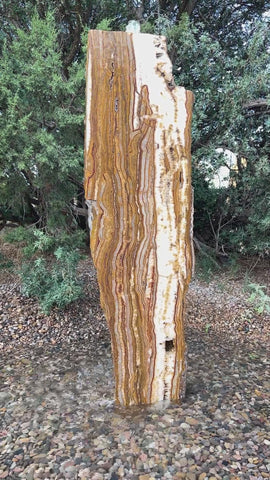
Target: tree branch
[(257, 103), (201, 247)]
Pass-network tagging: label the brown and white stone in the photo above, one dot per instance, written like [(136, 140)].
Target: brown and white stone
[(138, 184)]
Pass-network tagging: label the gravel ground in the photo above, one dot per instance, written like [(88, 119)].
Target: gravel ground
[(58, 418)]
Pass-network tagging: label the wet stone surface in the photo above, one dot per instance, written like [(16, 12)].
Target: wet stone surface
[(59, 420)]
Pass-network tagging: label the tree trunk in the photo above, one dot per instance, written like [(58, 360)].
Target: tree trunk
[(138, 182)]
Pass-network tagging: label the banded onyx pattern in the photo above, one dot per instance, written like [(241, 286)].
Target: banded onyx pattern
[(138, 188)]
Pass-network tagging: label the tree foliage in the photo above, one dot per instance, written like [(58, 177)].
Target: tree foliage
[(231, 112), (41, 127), (219, 49)]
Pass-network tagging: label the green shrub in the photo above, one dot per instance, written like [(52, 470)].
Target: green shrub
[(52, 283), (21, 235), (5, 263), (206, 266), (48, 272), (259, 299), (37, 241)]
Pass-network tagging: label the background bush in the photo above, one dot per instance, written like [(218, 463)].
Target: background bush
[(219, 50), (52, 283)]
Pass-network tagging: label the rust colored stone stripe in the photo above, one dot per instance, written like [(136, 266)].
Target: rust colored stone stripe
[(137, 180)]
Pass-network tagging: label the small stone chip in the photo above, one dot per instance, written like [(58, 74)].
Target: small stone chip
[(84, 474), (202, 476), (191, 421), (25, 440), (185, 426)]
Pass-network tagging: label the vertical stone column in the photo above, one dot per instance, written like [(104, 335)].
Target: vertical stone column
[(138, 185)]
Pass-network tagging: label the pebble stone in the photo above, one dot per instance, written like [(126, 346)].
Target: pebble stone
[(57, 411)]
